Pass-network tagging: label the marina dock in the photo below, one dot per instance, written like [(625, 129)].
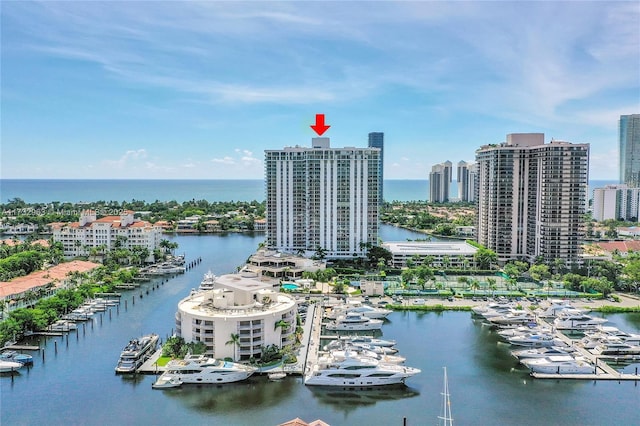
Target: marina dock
[(603, 370)]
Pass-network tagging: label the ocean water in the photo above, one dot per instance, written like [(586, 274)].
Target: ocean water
[(75, 191)]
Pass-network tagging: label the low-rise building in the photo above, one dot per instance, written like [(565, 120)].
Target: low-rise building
[(275, 264), (79, 238), (238, 318), (444, 254), (260, 225), (24, 291)]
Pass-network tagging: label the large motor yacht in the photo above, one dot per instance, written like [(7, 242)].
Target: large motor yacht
[(559, 364), (360, 371), (577, 320), (357, 307), (208, 282), (202, 369), (354, 322), (136, 353)]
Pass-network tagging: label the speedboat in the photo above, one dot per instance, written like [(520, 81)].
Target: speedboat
[(136, 352), (277, 375), (577, 320), (202, 369), (559, 364), (362, 371), (542, 352), (354, 322), (23, 359), (208, 282), (7, 366)]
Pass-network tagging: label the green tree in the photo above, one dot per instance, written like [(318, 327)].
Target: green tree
[(234, 339), (539, 272), (485, 258)]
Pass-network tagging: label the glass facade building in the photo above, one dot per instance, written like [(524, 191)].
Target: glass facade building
[(376, 140), (630, 150)]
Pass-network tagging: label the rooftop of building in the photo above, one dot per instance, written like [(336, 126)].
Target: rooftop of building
[(448, 248), (11, 242), (240, 304), (55, 274)]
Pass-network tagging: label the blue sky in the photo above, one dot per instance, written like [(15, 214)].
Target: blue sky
[(199, 90)]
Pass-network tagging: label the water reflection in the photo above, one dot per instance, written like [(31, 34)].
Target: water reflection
[(350, 398), (232, 398)]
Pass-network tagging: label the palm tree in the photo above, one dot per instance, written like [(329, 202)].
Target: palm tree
[(492, 284), (282, 324), (234, 339), (475, 285)]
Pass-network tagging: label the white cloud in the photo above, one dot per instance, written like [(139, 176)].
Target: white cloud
[(126, 158), (224, 160)]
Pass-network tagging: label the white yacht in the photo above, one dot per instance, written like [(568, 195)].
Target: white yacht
[(630, 338), (555, 308), (357, 307), (534, 340), (63, 325), (559, 364), (493, 307), (202, 369), (353, 352), (208, 282), (513, 318), (369, 340), (380, 350), (577, 320), (357, 372), (136, 352), (522, 330), (354, 322), (616, 349), (542, 352), (8, 366)]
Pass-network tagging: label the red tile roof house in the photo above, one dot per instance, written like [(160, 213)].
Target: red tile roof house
[(622, 247), (12, 293)]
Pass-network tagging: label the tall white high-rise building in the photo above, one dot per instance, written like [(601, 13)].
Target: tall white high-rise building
[(532, 198), (617, 202), (466, 178), (439, 180), (322, 198)]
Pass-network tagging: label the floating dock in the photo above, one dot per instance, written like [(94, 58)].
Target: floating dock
[(603, 370)]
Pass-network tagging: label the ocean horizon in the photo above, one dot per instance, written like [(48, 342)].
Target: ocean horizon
[(181, 190)]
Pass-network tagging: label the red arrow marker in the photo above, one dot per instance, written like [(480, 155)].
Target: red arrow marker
[(319, 127)]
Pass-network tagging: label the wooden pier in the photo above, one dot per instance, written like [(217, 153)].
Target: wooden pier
[(22, 347)]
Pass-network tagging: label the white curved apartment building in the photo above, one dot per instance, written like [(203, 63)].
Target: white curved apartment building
[(238, 305)]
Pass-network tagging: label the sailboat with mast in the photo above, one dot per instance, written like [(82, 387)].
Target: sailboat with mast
[(445, 419)]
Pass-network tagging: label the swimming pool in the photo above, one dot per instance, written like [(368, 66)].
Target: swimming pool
[(290, 286)]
